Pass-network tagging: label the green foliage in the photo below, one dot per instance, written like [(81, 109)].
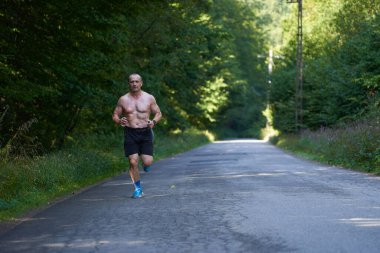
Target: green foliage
[(241, 116), (356, 146), (341, 65), (65, 63), (57, 58)]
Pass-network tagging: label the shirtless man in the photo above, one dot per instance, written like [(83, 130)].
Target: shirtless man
[(133, 112)]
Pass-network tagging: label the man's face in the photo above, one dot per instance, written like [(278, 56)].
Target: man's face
[(135, 83)]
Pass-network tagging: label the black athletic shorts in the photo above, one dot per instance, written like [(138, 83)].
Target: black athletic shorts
[(138, 141)]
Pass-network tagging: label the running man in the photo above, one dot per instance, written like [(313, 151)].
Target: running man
[(133, 112)]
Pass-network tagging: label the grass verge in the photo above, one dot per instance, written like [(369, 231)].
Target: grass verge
[(26, 184), (355, 146)]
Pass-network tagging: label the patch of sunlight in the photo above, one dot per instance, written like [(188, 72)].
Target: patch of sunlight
[(209, 135), (176, 131), (203, 18), (70, 138), (175, 5), (31, 219), (241, 141), (268, 132), (55, 245), (117, 183), (242, 175), (80, 244), (92, 200), (303, 173), (213, 97), (362, 222), (137, 242)]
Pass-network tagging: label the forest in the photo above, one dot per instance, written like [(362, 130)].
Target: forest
[(64, 64)]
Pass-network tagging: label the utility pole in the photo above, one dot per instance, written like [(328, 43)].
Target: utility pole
[(299, 78)]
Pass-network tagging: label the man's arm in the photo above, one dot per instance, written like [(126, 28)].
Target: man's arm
[(119, 112), (116, 114), (156, 111)]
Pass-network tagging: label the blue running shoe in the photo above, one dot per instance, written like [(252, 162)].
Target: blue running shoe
[(138, 193), (147, 168)]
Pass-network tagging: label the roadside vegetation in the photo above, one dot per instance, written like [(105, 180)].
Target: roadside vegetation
[(354, 145), (29, 183), (341, 82)]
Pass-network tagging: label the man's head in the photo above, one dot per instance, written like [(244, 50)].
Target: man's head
[(135, 82)]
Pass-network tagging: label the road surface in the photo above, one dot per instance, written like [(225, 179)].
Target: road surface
[(231, 196)]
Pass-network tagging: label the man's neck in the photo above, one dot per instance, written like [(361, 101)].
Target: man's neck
[(136, 94)]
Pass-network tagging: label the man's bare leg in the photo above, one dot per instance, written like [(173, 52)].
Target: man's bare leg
[(135, 175), (147, 161), (133, 167)]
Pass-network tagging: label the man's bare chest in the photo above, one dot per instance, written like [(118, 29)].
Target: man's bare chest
[(131, 107)]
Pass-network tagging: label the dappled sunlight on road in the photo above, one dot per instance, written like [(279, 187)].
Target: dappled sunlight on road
[(78, 244), (239, 175), (151, 196), (92, 244), (362, 222), (31, 219), (241, 141), (136, 242), (91, 200), (117, 183)]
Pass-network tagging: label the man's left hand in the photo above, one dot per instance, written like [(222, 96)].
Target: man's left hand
[(150, 123)]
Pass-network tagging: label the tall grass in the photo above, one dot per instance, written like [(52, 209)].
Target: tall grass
[(355, 146), (29, 182), (26, 183)]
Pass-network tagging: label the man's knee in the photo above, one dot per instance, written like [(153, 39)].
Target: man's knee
[(147, 160), (133, 162)]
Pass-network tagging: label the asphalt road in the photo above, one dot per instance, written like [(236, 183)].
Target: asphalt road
[(233, 196)]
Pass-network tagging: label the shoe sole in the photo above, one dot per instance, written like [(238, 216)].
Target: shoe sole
[(138, 197)]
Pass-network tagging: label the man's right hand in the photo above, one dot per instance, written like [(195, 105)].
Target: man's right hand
[(123, 121)]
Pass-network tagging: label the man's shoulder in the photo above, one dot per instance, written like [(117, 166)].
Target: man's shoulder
[(146, 94), (124, 98)]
